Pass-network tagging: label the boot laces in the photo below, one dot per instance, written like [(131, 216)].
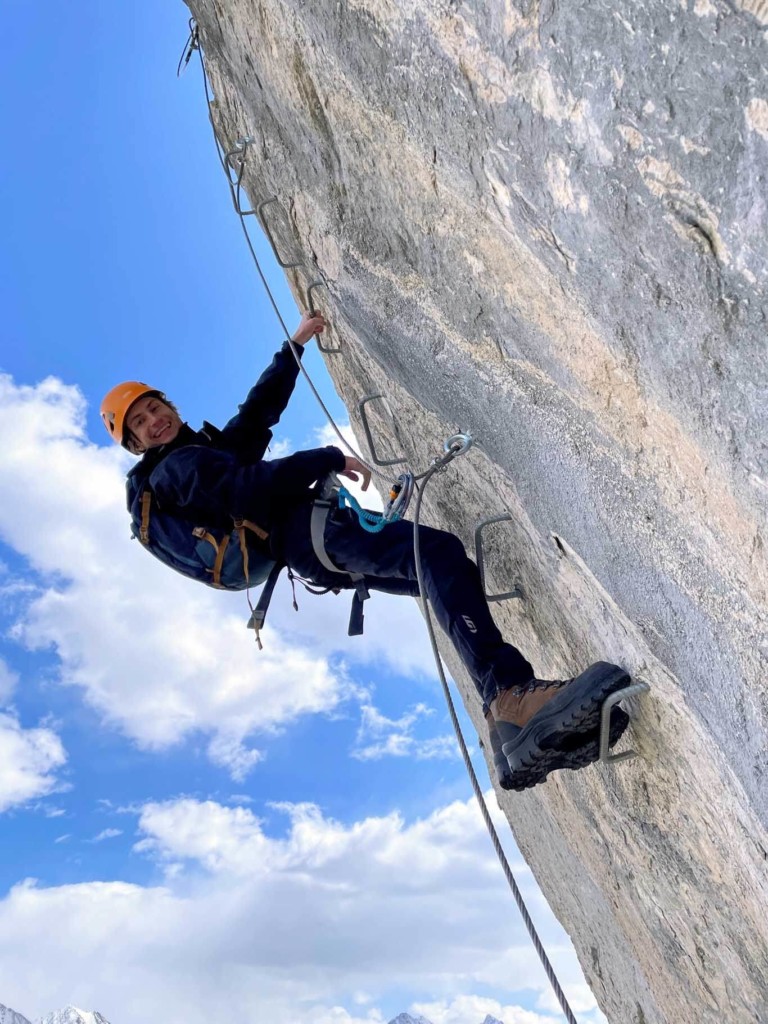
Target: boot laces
[(540, 684)]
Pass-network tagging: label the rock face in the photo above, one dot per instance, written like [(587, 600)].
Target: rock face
[(546, 222)]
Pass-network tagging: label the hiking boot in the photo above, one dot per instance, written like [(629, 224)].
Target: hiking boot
[(574, 751), (500, 763), (548, 725)]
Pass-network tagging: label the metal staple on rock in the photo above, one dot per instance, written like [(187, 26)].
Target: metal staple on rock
[(508, 874), (438, 465), (234, 189)]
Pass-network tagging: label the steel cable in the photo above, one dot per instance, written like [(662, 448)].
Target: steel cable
[(465, 753), (234, 189), (425, 477)]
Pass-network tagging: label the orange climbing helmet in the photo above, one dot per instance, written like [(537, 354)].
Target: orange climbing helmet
[(117, 402)]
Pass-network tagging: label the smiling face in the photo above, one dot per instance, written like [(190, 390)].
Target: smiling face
[(152, 422)]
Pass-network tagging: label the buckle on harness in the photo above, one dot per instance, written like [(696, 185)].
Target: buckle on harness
[(259, 613), (320, 509), (357, 612)]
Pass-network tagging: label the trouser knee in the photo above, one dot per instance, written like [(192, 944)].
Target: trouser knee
[(441, 544)]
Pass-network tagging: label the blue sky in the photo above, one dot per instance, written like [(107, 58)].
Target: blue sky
[(162, 755)]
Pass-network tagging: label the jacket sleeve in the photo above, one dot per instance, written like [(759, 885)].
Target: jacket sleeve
[(265, 402), (214, 485)]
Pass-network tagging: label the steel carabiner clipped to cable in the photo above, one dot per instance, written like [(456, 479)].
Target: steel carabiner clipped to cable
[(192, 44), (399, 497)]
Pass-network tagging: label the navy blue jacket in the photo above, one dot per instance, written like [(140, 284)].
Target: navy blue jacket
[(210, 476)]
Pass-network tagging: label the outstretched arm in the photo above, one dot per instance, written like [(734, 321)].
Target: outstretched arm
[(267, 399)]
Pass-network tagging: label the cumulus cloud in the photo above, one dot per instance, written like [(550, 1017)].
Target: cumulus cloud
[(158, 655), (470, 1009), (28, 761), (8, 682), (279, 449), (293, 925), (379, 736)]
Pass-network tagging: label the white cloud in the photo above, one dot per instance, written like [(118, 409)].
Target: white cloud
[(107, 833), (49, 810), (28, 761), (158, 655), (293, 927), (379, 736), (279, 449), (470, 1009), (340, 1015), (8, 682), (395, 635)]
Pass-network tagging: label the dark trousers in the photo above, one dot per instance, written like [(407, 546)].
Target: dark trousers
[(452, 581)]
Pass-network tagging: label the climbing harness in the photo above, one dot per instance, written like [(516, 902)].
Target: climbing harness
[(399, 497), (333, 494), (319, 517)]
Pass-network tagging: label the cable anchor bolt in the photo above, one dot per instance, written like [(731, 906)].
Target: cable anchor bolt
[(458, 444)]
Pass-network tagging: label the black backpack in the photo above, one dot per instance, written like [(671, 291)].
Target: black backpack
[(221, 558)]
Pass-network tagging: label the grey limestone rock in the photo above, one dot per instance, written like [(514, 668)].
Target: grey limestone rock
[(546, 222)]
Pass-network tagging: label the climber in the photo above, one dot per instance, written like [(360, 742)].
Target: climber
[(190, 488)]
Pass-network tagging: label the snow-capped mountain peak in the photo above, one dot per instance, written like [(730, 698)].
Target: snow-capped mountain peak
[(9, 1016), (406, 1018), (72, 1015)]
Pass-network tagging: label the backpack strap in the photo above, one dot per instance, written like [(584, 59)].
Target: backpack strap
[(259, 613), (146, 501), (219, 546), (241, 525), (320, 509)]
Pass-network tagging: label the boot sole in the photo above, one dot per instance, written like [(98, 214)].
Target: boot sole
[(533, 770), (575, 710)]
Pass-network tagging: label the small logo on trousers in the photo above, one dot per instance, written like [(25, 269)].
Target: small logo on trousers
[(470, 624)]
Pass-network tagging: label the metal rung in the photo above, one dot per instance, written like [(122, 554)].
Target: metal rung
[(605, 723), (234, 160), (369, 437), (320, 284), (479, 558), (268, 233)]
